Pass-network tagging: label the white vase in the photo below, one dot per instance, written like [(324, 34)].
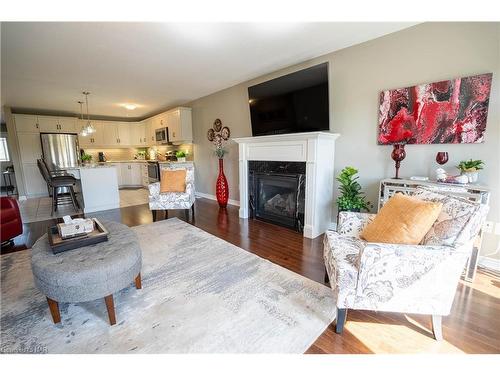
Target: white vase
[(181, 160), (472, 176)]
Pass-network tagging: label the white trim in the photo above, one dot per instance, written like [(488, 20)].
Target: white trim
[(232, 202), (317, 150), (490, 263), (104, 207)]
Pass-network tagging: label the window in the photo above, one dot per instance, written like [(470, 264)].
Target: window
[(4, 151)]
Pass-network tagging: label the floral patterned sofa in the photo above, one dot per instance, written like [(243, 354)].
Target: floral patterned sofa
[(173, 201), (419, 279)]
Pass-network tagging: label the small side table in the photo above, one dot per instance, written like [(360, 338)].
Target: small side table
[(9, 187), (475, 193)]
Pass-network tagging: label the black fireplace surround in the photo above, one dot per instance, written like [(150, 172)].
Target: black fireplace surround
[(277, 192)]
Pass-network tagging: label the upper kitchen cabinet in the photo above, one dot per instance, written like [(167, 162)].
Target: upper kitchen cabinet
[(52, 124), (110, 133), (138, 134), (95, 139), (26, 123), (150, 131), (180, 127), (67, 124), (125, 130)]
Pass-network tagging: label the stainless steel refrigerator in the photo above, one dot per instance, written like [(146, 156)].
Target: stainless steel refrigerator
[(60, 151)]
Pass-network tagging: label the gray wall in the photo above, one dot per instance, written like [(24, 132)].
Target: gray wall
[(424, 53)]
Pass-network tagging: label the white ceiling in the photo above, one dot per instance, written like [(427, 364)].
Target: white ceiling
[(45, 66)]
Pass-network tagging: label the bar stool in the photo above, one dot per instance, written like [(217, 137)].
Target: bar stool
[(57, 181)]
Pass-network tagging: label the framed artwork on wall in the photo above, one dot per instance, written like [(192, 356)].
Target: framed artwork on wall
[(453, 111)]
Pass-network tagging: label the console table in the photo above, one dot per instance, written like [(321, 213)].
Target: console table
[(475, 193)]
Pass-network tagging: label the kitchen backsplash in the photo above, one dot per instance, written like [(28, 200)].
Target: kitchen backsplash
[(115, 154)]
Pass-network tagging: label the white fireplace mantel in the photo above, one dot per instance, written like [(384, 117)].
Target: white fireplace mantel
[(317, 150)]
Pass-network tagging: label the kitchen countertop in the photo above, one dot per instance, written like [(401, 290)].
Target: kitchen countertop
[(90, 166), (145, 161)]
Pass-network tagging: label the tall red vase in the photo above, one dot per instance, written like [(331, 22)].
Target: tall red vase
[(221, 187)]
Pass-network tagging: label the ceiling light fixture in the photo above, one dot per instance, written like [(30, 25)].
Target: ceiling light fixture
[(83, 131), (89, 127), (130, 107)]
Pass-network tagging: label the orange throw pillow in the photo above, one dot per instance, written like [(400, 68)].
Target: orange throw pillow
[(402, 220), (173, 181)]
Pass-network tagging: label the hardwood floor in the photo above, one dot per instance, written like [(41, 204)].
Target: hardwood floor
[(472, 327)]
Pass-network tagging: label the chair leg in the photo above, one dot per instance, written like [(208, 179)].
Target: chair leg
[(192, 210), (54, 310), (437, 329), (73, 198), (110, 306), (154, 213), (327, 279), (138, 281), (186, 214), (341, 318), (54, 201)]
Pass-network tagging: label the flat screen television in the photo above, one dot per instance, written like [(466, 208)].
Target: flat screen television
[(294, 103)]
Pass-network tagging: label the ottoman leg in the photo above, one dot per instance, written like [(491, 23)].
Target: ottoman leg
[(54, 310), (111, 309), (138, 282)]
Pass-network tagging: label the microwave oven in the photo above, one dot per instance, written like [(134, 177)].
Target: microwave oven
[(161, 136)]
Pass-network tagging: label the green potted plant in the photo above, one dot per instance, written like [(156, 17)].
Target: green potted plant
[(470, 169), (181, 156), (86, 158), (351, 198)]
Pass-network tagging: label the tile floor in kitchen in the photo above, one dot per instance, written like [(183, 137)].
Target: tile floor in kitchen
[(38, 209)]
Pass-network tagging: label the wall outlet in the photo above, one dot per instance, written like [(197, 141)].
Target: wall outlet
[(488, 227)]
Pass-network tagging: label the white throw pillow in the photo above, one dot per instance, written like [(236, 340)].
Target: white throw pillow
[(453, 219)]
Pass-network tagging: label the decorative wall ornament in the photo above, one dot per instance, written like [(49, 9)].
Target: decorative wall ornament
[(453, 111)]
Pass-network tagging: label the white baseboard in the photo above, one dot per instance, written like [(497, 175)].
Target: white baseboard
[(490, 263), (232, 202)]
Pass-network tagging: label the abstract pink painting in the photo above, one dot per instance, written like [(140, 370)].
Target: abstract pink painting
[(453, 111)]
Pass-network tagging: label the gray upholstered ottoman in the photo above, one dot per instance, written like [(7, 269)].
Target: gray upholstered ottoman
[(89, 272)]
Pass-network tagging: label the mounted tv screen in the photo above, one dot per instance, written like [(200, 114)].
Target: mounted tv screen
[(294, 103)]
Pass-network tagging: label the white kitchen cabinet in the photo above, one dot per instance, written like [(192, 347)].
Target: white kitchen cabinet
[(135, 175), (110, 133), (124, 133), (34, 182), (93, 140), (144, 174), (48, 124), (138, 134), (130, 174), (150, 132), (52, 124), (180, 127), (26, 123), (67, 124), (30, 147)]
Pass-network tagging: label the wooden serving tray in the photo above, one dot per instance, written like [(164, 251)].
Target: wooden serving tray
[(58, 245)]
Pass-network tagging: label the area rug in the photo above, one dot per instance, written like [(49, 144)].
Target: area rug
[(200, 295)]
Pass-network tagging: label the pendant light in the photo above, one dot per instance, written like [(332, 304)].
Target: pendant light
[(83, 130), (89, 127)]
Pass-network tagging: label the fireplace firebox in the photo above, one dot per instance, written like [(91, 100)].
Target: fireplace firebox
[(277, 192)]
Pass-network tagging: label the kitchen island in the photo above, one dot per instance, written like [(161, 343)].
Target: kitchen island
[(99, 187)]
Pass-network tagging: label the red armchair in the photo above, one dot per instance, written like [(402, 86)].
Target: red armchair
[(10, 220)]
